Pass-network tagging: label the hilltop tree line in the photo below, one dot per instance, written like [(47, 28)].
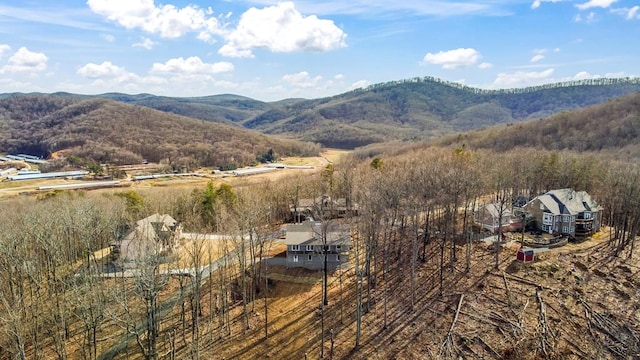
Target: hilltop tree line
[(415, 210), (528, 89)]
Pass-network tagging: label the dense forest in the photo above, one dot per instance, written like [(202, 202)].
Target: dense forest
[(227, 109), (611, 127), (414, 266), (411, 109), (106, 131)]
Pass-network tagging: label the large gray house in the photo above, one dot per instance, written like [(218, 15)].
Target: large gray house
[(307, 242), (565, 211)]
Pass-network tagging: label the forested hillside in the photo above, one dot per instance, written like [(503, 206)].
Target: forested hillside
[(613, 126), (426, 108), (109, 131), (412, 109), (228, 109), (419, 284)]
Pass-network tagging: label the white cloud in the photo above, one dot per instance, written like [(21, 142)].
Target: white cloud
[(191, 66), (453, 59), (24, 60), (585, 75), (281, 28), (595, 3), (360, 84), (536, 58), (522, 78), (107, 76), (582, 75), (99, 71), (339, 77), (108, 37), (536, 3), (166, 20), (556, 50), (11, 85), (617, 75), (587, 19), (302, 79), (145, 43), (3, 49), (628, 13), (485, 65)]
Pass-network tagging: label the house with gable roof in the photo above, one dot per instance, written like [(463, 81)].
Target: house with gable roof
[(492, 216), (565, 211), (323, 206), (308, 242), (150, 237)]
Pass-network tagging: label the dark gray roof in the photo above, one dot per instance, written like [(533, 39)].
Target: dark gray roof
[(568, 202), (310, 233)]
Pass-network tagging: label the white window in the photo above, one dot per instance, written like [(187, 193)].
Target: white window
[(573, 218), (547, 219), (338, 247), (565, 229), (309, 258), (572, 230), (295, 247), (541, 206), (295, 258), (566, 218), (338, 258), (309, 247), (587, 215)]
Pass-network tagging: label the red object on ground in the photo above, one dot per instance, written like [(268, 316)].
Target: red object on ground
[(525, 255)]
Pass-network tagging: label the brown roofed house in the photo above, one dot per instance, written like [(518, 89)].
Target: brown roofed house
[(151, 237)]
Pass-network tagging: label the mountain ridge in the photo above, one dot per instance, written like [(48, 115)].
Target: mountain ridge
[(410, 109), (109, 131)]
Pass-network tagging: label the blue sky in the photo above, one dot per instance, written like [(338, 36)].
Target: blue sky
[(271, 50)]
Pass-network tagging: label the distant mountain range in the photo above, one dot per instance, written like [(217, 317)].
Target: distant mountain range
[(412, 109), (109, 131)]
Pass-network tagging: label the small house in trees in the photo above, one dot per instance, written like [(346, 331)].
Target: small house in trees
[(150, 238), (565, 211), (322, 207), (309, 242), (492, 216)]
